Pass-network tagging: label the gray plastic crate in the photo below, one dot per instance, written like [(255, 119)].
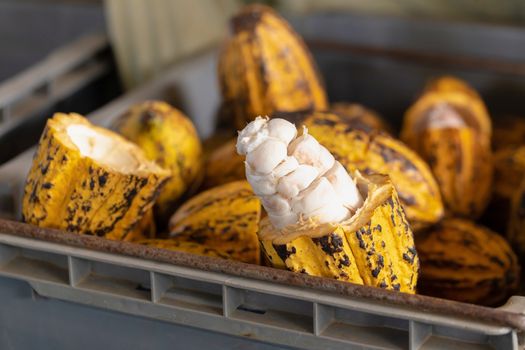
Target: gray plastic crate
[(80, 75), (252, 303)]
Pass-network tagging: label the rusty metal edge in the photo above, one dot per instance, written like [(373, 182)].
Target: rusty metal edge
[(417, 302)]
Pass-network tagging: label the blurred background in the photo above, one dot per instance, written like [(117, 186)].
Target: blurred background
[(79, 55), (148, 35)]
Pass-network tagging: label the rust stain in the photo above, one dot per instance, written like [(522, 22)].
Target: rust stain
[(416, 302)]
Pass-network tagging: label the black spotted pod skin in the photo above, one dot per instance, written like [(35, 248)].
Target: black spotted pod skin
[(225, 218), (375, 247), (467, 262), (73, 192), (373, 152)]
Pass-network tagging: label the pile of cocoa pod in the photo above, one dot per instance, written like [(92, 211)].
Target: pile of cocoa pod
[(317, 188)]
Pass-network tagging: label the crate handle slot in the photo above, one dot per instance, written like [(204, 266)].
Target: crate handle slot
[(268, 310), (251, 309)]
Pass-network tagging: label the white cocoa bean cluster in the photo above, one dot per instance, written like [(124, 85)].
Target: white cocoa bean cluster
[(294, 176)]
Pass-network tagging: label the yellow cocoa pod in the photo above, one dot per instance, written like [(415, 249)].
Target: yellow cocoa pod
[(375, 247), (215, 141), (225, 218), (509, 170), (169, 138), (381, 154), (184, 246), (361, 117), (450, 128), (223, 165), (509, 132), (462, 165), (145, 228), (86, 179), (466, 262), (265, 67), (456, 99), (516, 227)]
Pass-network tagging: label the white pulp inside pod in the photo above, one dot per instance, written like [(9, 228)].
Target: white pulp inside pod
[(295, 177), (444, 116), (102, 148)]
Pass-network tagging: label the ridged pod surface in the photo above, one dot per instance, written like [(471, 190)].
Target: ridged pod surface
[(86, 179), (450, 128), (145, 228), (374, 152), (509, 132), (169, 138), (516, 227), (466, 262), (374, 247), (223, 165), (509, 171), (225, 218), (215, 141), (361, 117), (265, 67), (184, 246), (462, 165)]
